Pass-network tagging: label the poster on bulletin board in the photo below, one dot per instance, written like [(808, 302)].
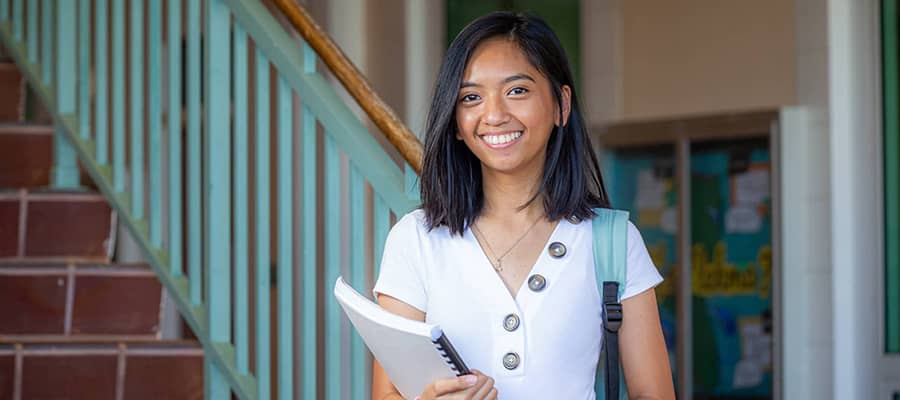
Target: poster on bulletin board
[(642, 182), (731, 256), (731, 269)]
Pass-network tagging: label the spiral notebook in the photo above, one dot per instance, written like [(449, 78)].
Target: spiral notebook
[(413, 353)]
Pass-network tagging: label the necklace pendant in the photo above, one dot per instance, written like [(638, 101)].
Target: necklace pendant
[(499, 266)]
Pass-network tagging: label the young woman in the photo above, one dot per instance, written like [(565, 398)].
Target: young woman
[(500, 253)]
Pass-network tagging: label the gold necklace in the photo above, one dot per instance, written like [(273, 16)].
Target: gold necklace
[(498, 265)]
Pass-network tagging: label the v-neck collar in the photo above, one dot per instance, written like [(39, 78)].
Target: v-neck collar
[(535, 268)]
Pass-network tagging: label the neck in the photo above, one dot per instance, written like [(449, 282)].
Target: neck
[(504, 195)]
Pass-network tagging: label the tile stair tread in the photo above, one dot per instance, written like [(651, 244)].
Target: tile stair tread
[(76, 302), (12, 83), (12, 128), (138, 371), (61, 225), (26, 155), (47, 193), (74, 341), (33, 171), (79, 265)]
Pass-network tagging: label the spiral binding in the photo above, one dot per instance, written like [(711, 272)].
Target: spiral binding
[(443, 346)]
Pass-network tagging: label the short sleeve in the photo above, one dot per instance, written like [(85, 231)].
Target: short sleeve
[(641, 274), (401, 274)]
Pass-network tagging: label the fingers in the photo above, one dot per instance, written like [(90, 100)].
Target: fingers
[(445, 386), (486, 389), (475, 386)]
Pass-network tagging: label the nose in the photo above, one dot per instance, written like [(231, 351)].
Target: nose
[(495, 111)]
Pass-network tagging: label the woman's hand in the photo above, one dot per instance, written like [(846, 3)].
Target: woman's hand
[(476, 386)]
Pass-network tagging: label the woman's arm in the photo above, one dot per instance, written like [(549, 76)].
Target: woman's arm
[(642, 349), (382, 388), (475, 386)]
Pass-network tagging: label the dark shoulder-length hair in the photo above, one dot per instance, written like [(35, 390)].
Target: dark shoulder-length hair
[(451, 192)]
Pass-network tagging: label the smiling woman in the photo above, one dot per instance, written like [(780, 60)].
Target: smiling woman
[(502, 114), (500, 253)]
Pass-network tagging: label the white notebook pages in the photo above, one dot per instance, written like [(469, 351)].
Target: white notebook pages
[(411, 352)]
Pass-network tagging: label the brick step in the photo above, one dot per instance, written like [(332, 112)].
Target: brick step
[(82, 339), (134, 371), (12, 85), (26, 155), (78, 302), (55, 226)]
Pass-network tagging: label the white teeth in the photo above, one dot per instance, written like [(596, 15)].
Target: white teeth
[(501, 139)]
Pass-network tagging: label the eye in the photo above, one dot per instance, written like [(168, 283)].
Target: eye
[(469, 98), (518, 91)]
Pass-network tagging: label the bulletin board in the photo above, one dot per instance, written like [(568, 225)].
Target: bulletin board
[(644, 185), (731, 255), (724, 163)]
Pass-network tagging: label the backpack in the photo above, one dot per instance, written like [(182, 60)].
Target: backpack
[(610, 246)]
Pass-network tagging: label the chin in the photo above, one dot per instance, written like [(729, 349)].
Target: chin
[(506, 166)]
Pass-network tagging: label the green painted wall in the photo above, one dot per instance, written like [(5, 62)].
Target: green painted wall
[(562, 15), (891, 175)]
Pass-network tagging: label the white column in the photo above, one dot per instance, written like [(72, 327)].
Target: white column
[(425, 47), (856, 190), (806, 267), (347, 26), (601, 60)]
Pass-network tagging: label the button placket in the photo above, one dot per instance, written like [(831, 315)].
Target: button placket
[(510, 346), (547, 268), (509, 337)]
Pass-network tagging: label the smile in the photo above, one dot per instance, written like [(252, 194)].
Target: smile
[(498, 141)]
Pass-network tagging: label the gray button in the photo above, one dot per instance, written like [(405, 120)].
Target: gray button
[(537, 283), (511, 361), (511, 322), (557, 250)]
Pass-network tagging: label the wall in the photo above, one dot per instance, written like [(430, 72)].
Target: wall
[(688, 57), (702, 56)]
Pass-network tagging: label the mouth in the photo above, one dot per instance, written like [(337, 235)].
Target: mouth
[(501, 140)]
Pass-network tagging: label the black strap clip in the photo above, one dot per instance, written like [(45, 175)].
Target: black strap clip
[(612, 316)]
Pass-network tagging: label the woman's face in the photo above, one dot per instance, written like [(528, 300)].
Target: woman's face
[(505, 110)]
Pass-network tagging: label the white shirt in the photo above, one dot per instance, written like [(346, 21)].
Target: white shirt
[(559, 333)]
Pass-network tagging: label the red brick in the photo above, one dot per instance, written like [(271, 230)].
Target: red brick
[(68, 228), (32, 304), (70, 377), (172, 377), (9, 227), (126, 305)]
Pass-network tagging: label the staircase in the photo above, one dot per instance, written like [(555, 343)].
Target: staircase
[(246, 180), (74, 324)]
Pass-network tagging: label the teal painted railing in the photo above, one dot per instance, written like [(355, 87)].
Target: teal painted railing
[(233, 163)]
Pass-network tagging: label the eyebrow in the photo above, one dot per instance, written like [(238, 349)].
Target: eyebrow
[(508, 79)]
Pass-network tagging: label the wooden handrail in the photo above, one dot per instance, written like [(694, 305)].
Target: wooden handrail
[(395, 130)]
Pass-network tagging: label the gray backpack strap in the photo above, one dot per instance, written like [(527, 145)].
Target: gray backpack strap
[(610, 230)]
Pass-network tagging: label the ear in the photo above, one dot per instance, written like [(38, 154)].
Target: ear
[(566, 93)]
